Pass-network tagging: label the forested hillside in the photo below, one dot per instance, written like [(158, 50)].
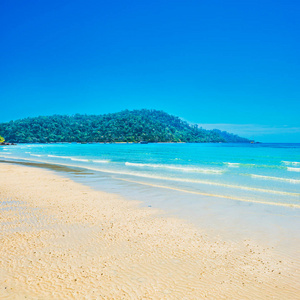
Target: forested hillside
[(125, 126), (230, 137)]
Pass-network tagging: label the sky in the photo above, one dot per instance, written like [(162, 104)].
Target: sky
[(231, 64)]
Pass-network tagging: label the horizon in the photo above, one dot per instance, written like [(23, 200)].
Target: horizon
[(233, 65)]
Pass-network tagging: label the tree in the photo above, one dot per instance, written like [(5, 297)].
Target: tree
[(1, 139), (125, 126)]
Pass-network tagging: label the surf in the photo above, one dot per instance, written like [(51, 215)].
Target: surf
[(176, 179), (291, 180), (177, 168)]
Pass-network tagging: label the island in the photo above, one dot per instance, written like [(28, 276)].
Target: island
[(136, 126)]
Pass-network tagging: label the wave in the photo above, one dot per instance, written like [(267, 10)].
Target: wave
[(275, 178), (293, 205), (230, 164), (100, 161), (235, 165), (68, 157), (206, 182), (176, 179), (180, 168), (27, 152), (38, 155), (59, 156), (293, 163), (81, 159), (293, 169)]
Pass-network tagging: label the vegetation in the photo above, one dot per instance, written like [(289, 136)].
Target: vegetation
[(125, 126), (2, 140), (230, 137)]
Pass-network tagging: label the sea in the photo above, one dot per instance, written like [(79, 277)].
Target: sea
[(233, 191)]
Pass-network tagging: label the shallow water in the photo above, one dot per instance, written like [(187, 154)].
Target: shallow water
[(233, 190)]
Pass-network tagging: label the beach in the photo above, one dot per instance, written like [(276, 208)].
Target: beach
[(64, 240)]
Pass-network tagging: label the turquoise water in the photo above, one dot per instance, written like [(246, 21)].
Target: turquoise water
[(266, 173), (227, 186)]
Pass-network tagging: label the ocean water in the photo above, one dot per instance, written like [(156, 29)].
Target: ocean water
[(242, 189)]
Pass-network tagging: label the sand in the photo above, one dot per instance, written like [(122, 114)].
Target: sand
[(63, 240)]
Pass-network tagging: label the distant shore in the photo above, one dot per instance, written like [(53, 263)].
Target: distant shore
[(7, 144), (60, 239)]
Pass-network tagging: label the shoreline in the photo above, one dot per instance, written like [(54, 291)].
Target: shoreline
[(68, 240)]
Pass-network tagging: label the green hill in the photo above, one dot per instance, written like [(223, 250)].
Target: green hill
[(125, 126)]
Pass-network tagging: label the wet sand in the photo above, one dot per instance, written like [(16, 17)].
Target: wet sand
[(62, 240)]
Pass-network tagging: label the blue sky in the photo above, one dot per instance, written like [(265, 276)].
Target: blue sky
[(234, 64)]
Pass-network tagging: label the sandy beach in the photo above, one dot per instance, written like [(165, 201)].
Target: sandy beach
[(62, 240)]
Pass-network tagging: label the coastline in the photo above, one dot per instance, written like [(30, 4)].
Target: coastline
[(67, 240)]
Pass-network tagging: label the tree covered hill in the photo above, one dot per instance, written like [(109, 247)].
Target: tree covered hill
[(125, 126), (230, 137)]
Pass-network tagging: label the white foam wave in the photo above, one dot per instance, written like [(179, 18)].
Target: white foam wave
[(63, 157), (28, 152), (293, 169), (234, 165), (38, 155), (68, 157), (79, 159), (100, 161), (179, 168), (276, 178), (291, 163)]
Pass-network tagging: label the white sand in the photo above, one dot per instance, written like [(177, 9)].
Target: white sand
[(62, 240)]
